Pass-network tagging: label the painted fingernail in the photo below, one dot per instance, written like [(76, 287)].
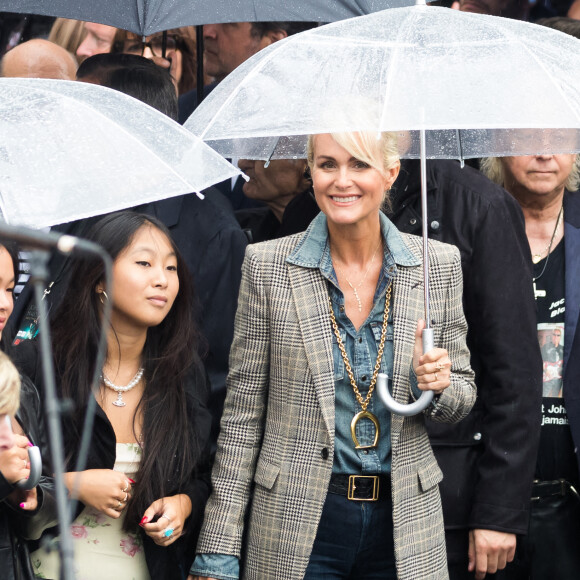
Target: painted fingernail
[(132, 481), (30, 444), (144, 520), (22, 505)]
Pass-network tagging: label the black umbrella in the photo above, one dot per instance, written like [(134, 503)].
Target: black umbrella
[(146, 17)]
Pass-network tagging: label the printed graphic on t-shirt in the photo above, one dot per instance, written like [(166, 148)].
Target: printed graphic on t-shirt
[(554, 412), (551, 337)]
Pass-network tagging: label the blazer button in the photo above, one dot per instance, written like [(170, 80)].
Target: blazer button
[(324, 453), (477, 436)]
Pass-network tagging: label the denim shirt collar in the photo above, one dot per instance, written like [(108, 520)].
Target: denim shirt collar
[(313, 250)]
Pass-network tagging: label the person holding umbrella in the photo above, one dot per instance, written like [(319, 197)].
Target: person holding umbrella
[(24, 512), (340, 485)]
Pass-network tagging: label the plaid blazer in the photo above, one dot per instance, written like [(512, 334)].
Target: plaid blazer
[(279, 416)]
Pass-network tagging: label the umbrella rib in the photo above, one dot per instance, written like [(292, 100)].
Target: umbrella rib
[(555, 84), (124, 130), (402, 30), (276, 47)]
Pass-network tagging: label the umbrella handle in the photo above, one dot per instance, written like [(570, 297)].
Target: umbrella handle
[(422, 402), (35, 469)]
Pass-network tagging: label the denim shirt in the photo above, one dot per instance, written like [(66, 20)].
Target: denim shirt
[(362, 348)]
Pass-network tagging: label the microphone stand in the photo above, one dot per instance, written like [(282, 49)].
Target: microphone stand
[(38, 278)]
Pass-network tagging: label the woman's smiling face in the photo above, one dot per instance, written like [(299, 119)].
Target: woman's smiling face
[(348, 190)]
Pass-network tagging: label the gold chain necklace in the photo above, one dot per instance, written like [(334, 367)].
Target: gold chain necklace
[(539, 256), (364, 414), (355, 288)]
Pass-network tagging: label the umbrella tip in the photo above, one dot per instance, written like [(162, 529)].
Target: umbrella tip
[(200, 195), (246, 178)]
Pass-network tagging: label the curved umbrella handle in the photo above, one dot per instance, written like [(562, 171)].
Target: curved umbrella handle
[(35, 469), (422, 402)]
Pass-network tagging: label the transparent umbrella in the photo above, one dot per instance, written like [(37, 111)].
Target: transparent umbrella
[(452, 84), (72, 150)]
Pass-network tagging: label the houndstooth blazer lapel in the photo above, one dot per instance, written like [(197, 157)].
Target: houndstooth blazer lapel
[(311, 299), (407, 309)]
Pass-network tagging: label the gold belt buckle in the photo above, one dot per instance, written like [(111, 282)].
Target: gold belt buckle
[(352, 487)]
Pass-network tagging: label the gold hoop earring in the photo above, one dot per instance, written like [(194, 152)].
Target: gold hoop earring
[(101, 294)]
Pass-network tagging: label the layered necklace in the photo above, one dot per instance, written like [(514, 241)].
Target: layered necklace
[(362, 280), (120, 390), (364, 403)]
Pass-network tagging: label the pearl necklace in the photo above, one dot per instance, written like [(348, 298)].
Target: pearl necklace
[(120, 390)]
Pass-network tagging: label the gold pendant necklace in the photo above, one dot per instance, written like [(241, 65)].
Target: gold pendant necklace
[(364, 414), (540, 256), (355, 288)]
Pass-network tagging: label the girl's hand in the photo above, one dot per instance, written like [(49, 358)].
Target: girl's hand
[(24, 499), (105, 490), (14, 464), (433, 369), (171, 513)]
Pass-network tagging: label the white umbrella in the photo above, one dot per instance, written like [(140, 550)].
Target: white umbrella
[(455, 74), (452, 84), (72, 150)]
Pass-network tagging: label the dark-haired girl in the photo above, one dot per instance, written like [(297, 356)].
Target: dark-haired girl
[(145, 485)]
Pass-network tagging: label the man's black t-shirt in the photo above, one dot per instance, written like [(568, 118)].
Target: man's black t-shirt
[(556, 458)]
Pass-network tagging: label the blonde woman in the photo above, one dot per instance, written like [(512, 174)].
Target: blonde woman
[(342, 489)]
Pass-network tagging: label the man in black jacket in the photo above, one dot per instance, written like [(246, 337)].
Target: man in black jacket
[(488, 459)]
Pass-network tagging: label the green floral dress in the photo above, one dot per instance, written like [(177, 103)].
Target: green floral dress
[(102, 549)]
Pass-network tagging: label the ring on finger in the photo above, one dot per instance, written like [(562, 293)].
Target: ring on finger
[(126, 496), (168, 532), (439, 366), (120, 504), (126, 489), (436, 377), (166, 517)]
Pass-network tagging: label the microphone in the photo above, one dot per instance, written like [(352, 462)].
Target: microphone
[(64, 243)]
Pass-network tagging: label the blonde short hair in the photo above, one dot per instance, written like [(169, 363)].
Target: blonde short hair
[(379, 150), (493, 168), (9, 386)]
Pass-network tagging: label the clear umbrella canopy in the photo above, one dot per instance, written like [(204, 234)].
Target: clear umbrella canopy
[(450, 83), (71, 150), (147, 17), (479, 85)]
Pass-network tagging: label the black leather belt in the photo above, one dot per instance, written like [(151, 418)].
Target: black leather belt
[(361, 487), (560, 487)]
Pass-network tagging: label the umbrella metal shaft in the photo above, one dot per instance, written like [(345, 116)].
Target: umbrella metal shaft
[(425, 229)]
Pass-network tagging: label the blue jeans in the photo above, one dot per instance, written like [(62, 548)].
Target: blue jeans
[(354, 541)]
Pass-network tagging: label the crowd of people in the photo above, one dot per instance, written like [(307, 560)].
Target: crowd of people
[(237, 431)]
